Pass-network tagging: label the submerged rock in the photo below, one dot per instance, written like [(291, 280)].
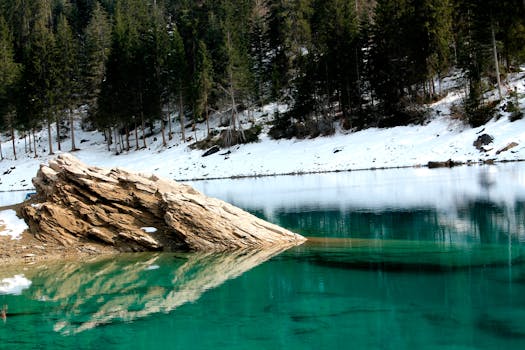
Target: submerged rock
[(77, 203)]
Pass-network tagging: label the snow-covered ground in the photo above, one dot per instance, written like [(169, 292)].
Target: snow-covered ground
[(442, 138), (11, 225)]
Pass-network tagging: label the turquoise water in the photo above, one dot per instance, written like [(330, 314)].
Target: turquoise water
[(376, 274)]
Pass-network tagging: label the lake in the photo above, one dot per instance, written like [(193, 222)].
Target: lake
[(397, 259)]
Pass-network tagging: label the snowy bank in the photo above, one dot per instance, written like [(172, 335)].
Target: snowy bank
[(11, 225), (442, 138)]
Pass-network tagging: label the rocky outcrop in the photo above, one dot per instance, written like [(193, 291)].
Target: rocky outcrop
[(76, 203)]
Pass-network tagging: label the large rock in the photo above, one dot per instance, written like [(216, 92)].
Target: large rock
[(76, 203)]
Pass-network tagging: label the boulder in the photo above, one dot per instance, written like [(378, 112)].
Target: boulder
[(77, 203), (483, 140)]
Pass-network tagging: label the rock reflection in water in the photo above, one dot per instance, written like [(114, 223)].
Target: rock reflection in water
[(126, 288)]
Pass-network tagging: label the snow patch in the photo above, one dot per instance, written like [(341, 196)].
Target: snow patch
[(11, 225), (14, 285), (149, 229)]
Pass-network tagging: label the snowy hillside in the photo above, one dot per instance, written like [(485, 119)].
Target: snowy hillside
[(442, 138)]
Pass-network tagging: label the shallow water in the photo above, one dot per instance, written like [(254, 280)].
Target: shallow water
[(401, 260)]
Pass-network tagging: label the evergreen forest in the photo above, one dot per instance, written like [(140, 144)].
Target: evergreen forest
[(133, 63)]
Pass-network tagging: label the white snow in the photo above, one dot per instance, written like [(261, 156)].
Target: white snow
[(11, 225), (442, 138), (149, 229), (14, 285)]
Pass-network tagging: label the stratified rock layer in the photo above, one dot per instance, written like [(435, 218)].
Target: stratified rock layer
[(76, 203)]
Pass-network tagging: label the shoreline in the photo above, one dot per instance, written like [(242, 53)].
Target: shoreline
[(440, 164), (29, 250)]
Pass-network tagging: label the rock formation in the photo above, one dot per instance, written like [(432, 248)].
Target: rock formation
[(76, 203)]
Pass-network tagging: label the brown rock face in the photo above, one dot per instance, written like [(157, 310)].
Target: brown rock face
[(76, 203)]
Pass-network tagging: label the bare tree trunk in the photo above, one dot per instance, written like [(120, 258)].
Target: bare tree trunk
[(142, 120), (207, 118), (136, 132), (108, 138), (234, 108), (127, 139), (49, 137), (163, 131), (170, 134), (34, 142), (195, 129), (194, 124), (72, 126), (496, 63), (358, 76), (181, 117), (143, 129), (121, 142), (115, 132), (1, 154), (59, 146)]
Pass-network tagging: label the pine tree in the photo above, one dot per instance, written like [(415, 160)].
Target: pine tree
[(39, 73), (157, 58), (67, 70), (96, 53), (9, 74), (475, 55), (290, 38), (19, 15), (438, 26), (511, 20), (204, 83), (237, 84), (114, 102), (337, 54), (123, 96), (279, 63), (260, 50), (177, 68)]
